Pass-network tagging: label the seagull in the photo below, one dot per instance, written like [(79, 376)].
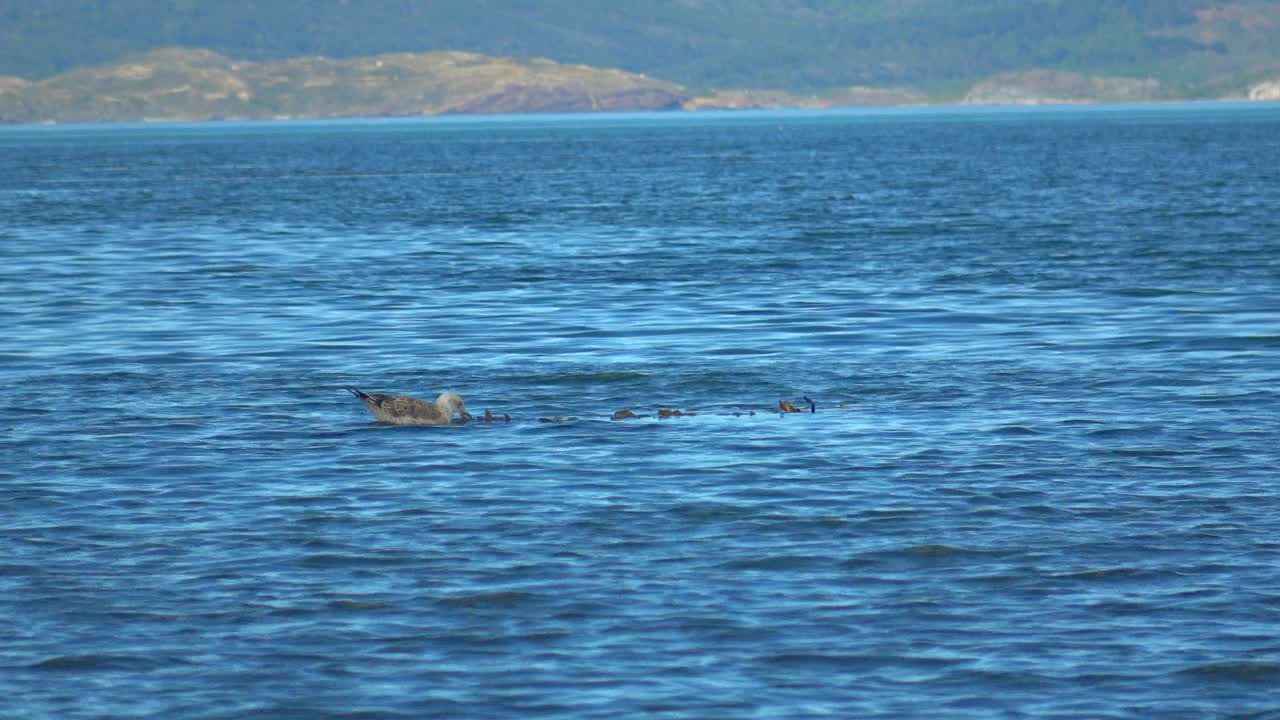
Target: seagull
[(404, 410)]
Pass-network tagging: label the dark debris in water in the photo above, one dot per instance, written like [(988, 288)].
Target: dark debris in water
[(786, 406)]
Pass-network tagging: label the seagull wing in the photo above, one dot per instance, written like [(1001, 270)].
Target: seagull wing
[(412, 410), (401, 409)]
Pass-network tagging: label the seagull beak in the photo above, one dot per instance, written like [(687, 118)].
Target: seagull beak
[(463, 412)]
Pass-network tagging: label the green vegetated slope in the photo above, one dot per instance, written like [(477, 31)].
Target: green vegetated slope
[(185, 84), (1190, 46)]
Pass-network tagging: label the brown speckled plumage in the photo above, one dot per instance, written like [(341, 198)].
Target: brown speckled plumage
[(405, 410)]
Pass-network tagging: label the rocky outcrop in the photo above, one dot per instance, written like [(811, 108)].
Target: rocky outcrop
[(1265, 91), (12, 90), (177, 84), (12, 84), (560, 98), (767, 99), (1044, 87), (751, 100)]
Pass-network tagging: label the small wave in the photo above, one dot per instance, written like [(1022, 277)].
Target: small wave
[(1246, 398), (933, 550), (1253, 673), (777, 563), (500, 598), (1153, 292), (1099, 574), (916, 555), (1015, 430), (712, 511), (1125, 432), (582, 378), (234, 269), (1152, 452), (859, 662), (342, 560), (95, 662), (1232, 343), (825, 660), (357, 605)]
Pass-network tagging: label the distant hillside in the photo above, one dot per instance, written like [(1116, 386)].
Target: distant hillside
[(189, 84), (1193, 48), (176, 84)]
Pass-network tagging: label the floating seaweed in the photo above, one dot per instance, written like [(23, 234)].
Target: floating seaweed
[(786, 406)]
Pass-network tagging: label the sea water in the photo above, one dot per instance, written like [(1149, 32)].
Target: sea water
[(1042, 478)]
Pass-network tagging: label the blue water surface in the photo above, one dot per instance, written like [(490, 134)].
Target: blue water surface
[(1042, 480)]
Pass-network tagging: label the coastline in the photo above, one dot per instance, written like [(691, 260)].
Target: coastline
[(192, 85)]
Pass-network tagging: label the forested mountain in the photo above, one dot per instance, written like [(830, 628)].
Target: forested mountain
[(1196, 47)]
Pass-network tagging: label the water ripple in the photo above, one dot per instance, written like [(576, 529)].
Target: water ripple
[(1040, 479)]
